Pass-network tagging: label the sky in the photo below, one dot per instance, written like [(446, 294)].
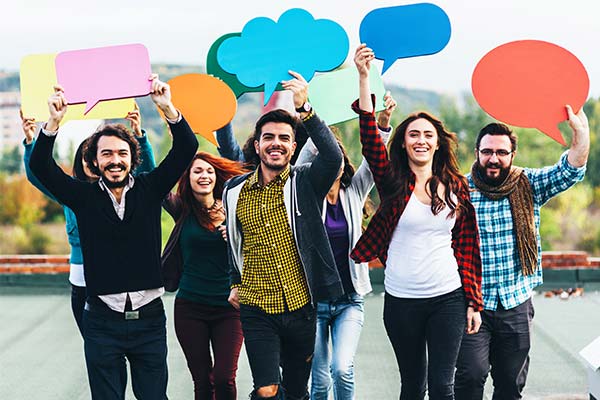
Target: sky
[(182, 31)]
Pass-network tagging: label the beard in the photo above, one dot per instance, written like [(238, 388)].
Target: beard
[(492, 181), (115, 184), (280, 166)]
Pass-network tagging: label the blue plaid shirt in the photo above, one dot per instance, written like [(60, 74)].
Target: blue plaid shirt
[(502, 277)]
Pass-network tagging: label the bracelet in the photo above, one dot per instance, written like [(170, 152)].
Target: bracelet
[(309, 116)]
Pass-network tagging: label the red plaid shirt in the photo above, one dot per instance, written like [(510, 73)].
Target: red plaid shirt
[(375, 241)]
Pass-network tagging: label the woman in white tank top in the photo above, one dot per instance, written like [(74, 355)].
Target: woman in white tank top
[(425, 234)]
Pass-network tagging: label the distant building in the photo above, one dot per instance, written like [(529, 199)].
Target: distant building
[(10, 123)]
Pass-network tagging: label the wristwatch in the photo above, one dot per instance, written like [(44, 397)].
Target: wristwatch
[(306, 107)]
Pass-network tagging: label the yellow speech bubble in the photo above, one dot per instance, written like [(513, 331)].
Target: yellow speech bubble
[(38, 77)]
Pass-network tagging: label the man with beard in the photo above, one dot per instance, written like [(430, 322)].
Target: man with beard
[(280, 260), (507, 200), (120, 232)]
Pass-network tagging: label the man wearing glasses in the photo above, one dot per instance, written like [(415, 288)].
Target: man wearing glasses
[(507, 200)]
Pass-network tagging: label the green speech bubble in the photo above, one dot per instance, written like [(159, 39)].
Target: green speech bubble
[(213, 68), (332, 93)]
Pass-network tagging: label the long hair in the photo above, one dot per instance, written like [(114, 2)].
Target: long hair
[(445, 168), (224, 170)]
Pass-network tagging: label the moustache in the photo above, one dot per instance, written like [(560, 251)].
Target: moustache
[(113, 165), (493, 165)]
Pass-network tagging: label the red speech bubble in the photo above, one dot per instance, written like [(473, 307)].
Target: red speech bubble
[(104, 73), (527, 83)]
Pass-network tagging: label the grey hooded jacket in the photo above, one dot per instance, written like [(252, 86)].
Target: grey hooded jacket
[(304, 192)]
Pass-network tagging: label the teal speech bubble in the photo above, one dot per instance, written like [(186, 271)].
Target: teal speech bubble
[(331, 94), (267, 50)]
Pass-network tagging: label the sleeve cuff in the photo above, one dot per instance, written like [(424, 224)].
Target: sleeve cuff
[(176, 120), (357, 110), (47, 132), (142, 139)]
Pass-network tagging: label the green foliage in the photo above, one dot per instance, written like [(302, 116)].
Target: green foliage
[(11, 160), (20, 203)]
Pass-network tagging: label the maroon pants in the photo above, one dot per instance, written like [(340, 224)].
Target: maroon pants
[(198, 327)]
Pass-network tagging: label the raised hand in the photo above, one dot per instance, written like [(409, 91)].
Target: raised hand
[(135, 120), (383, 119), (362, 59), (29, 127), (299, 88), (57, 105), (161, 96), (580, 143)]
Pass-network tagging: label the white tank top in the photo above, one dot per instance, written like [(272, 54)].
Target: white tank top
[(421, 262)]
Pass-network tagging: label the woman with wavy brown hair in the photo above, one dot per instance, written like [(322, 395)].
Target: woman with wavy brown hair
[(425, 234), (195, 261)]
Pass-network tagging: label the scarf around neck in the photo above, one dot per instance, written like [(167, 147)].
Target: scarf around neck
[(517, 188)]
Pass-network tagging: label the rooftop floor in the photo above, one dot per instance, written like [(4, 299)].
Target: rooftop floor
[(41, 352)]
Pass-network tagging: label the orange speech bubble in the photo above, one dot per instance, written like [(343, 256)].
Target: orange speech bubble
[(207, 103), (527, 83)]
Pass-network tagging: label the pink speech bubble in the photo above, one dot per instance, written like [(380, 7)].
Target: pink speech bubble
[(527, 83), (104, 73)]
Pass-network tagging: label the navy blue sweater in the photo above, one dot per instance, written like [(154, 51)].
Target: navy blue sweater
[(119, 255)]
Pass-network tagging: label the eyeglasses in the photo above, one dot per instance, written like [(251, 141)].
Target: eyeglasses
[(499, 153)]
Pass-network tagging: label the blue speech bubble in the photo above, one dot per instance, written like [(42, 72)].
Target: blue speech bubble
[(405, 31), (266, 49)]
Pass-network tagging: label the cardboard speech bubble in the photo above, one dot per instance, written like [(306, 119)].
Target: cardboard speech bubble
[(38, 77), (405, 31), (213, 68), (267, 50), (206, 102), (527, 83), (104, 73), (331, 94)]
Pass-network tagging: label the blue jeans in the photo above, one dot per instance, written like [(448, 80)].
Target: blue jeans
[(344, 319)]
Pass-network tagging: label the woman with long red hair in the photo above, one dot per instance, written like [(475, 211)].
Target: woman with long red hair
[(195, 262)]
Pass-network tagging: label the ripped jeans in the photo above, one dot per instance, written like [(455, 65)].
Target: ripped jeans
[(285, 340)]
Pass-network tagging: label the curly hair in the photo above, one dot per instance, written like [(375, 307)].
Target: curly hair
[(117, 130), (445, 168), (224, 170)]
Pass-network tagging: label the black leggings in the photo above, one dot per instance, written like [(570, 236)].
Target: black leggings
[(426, 328)]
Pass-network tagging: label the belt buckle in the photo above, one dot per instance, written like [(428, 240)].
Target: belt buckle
[(132, 315)]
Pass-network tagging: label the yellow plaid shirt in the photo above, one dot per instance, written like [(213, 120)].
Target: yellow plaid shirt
[(272, 276)]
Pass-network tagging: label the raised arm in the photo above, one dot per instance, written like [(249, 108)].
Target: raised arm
[(60, 185), (28, 125), (325, 167), (184, 141), (147, 155), (580, 144), (228, 146), (373, 147)]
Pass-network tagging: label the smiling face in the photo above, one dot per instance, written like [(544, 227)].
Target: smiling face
[(276, 145), (494, 158), (202, 177), (113, 159), (420, 142)]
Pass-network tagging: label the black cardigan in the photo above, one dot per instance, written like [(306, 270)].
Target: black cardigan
[(119, 255)]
